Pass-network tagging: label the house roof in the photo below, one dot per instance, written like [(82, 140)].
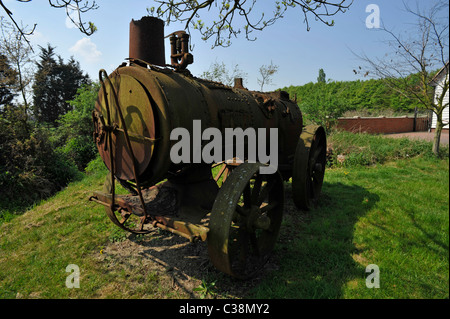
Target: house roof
[(434, 80)]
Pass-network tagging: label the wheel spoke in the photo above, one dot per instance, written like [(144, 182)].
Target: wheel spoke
[(268, 207), (247, 197), (254, 242), (242, 210), (264, 194), (125, 217), (256, 189), (220, 173), (243, 242)]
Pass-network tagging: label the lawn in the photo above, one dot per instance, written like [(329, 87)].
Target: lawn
[(394, 215)]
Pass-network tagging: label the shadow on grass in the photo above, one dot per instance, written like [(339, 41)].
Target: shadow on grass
[(312, 258), (315, 250), (11, 207)]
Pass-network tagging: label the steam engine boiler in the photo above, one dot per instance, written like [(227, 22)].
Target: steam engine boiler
[(229, 204)]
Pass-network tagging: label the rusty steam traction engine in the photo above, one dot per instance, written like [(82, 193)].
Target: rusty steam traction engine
[(138, 106)]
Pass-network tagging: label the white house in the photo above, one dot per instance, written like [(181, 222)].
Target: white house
[(438, 82)]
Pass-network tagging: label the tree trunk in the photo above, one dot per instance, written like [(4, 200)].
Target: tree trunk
[(437, 137)]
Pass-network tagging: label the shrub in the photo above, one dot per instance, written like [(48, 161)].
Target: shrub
[(30, 168), (363, 149), (96, 166), (74, 133), (325, 106)]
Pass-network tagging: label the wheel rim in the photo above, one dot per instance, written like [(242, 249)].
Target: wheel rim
[(309, 167), (245, 221)]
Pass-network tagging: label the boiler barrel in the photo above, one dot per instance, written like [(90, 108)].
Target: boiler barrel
[(155, 101)]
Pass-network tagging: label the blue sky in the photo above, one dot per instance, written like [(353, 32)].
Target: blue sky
[(298, 53)]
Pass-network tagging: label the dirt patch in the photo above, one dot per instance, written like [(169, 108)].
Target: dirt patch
[(171, 261), (175, 265)]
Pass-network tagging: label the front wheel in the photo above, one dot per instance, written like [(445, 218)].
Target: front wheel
[(245, 220)]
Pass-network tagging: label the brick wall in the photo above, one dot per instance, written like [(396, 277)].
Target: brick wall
[(382, 125)]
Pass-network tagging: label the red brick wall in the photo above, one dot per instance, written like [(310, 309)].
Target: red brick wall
[(444, 130), (380, 125)]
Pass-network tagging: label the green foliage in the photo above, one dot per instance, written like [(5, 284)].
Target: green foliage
[(322, 77), (325, 105), (206, 288), (30, 167), (96, 167), (218, 72), (74, 133), (371, 96), (56, 82), (353, 150), (36, 159)]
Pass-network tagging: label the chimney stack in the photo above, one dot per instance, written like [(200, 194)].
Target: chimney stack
[(147, 40)]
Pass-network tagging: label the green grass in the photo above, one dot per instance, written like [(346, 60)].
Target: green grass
[(366, 149), (394, 215)]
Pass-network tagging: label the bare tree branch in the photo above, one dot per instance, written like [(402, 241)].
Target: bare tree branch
[(267, 72), (78, 6), (411, 66), (19, 53), (23, 34), (232, 17)]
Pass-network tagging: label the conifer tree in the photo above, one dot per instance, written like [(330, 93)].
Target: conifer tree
[(55, 83)]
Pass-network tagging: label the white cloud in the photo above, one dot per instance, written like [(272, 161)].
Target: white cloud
[(37, 38), (87, 50)]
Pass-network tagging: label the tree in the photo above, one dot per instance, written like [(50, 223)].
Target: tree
[(74, 10), (8, 78), (224, 14), (326, 103), (322, 77), (218, 72), (20, 56), (55, 83), (267, 72), (410, 68)]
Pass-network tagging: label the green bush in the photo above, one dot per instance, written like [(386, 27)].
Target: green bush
[(74, 133), (325, 105), (372, 96), (96, 166), (30, 168), (353, 149)]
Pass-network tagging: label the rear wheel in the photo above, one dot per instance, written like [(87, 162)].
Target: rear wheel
[(309, 167)]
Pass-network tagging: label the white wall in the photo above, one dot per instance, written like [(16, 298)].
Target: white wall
[(445, 115)]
